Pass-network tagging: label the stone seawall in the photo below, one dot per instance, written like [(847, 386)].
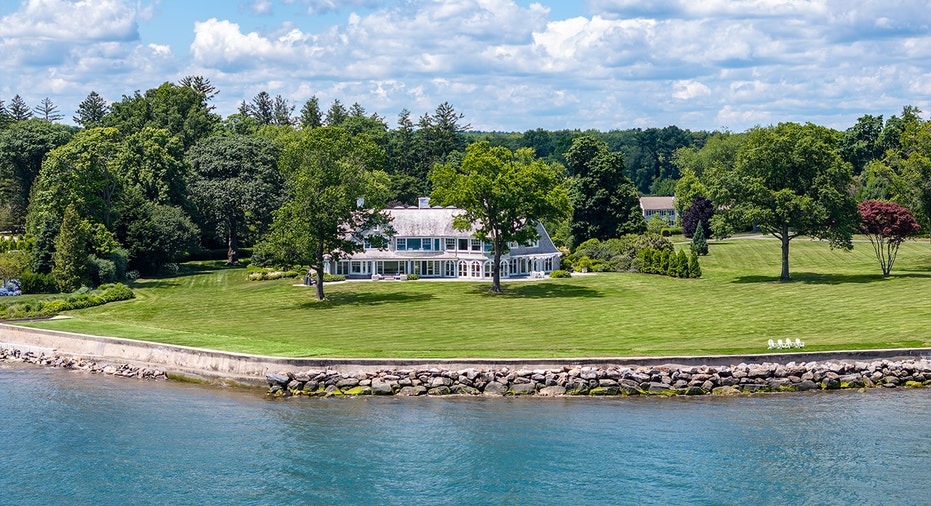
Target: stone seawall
[(596, 381), (574, 376)]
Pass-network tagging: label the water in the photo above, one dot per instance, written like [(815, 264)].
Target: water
[(70, 438)]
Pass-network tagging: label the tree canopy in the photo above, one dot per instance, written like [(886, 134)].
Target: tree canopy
[(335, 200), (504, 196), (788, 180)]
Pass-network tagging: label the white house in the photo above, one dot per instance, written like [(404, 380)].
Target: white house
[(425, 243), (665, 207)]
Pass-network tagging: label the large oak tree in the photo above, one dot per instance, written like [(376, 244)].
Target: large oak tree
[(789, 181), (504, 196)]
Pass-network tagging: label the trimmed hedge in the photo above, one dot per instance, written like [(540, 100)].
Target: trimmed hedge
[(559, 273), (80, 299)]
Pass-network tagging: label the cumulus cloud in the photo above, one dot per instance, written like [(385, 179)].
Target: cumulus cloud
[(74, 22)]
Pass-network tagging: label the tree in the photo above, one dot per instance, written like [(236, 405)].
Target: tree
[(281, 111), (788, 180), (699, 213), (23, 145), (235, 184), (5, 117), (605, 203), (48, 111), (202, 86), (154, 234), (310, 114), (335, 200), (12, 265), (860, 143), (336, 114), (904, 174), (887, 225), (69, 263), (19, 111), (179, 109), (699, 244), (152, 160), (504, 196), (83, 174), (91, 111)]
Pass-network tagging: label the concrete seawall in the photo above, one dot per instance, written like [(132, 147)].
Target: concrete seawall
[(252, 369)]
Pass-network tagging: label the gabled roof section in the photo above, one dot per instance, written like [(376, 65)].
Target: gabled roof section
[(426, 222), (657, 203)]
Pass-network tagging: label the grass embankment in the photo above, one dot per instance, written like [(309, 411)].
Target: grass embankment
[(837, 300)]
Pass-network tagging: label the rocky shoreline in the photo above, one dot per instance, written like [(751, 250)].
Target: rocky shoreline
[(609, 380), (570, 380), (80, 364)]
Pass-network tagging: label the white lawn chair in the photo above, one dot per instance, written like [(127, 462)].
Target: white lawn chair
[(799, 343), (772, 344)]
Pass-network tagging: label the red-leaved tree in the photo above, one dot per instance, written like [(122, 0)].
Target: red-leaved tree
[(887, 225)]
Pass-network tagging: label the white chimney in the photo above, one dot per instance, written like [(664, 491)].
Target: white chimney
[(423, 202)]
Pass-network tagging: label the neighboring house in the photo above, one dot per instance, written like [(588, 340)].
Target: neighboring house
[(425, 243), (665, 207)]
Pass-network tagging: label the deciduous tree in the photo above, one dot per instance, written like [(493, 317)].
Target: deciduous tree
[(504, 196), (605, 202), (235, 182), (788, 180), (887, 225), (335, 198)]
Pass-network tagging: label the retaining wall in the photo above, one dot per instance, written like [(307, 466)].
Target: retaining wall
[(253, 369)]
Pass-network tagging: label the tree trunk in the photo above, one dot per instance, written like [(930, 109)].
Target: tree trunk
[(496, 269), (785, 254), (232, 243), (319, 271), (318, 257)]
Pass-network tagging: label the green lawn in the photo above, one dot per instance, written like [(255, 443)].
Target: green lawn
[(836, 301)]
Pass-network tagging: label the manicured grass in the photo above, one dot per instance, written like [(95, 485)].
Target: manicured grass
[(837, 300)]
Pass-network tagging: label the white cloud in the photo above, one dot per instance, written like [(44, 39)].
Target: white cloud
[(75, 22), (687, 89)]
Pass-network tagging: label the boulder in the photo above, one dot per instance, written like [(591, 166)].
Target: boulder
[(552, 391), (495, 388)]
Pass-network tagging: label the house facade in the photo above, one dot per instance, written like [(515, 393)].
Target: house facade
[(425, 243), (664, 207)]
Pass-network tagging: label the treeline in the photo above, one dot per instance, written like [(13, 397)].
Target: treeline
[(158, 176)]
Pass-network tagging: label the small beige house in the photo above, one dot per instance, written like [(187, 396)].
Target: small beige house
[(665, 207)]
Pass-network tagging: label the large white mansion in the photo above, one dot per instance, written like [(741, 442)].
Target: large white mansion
[(425, 243)]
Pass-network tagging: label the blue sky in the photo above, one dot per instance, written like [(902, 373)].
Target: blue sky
[(506, 65)]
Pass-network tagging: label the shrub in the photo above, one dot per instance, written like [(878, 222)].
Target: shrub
[(559, 273), (80, 299), (683, 264), (333, 278), (10, 289), (694, 268), (668, 231), (102, 270), (699, 244), (410, 277), (33, 282), (584, 264)]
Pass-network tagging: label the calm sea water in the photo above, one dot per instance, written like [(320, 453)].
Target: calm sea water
[(71, 438)]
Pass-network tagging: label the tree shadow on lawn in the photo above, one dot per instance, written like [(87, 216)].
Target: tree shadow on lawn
[(540, 290), (812, 278), (334, 300)]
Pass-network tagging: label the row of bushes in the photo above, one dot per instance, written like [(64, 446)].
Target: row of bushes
[(255, 273), (667, 263), (615, 255), (80, 299)]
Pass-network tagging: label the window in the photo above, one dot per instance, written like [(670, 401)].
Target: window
[(401, 244), (449, 269), (476, 245), (463, 245), (450, 244)]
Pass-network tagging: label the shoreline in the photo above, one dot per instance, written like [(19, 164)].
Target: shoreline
[(670, 375)]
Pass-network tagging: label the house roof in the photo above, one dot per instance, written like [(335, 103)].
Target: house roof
[(438, 222), (657, 203)]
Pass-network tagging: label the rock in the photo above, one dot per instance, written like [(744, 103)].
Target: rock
[(725, 390), (628, 387), (495, 388), (410, 391), (659, 388), (279, 379), (460, 389), (522, 388), (380, 387), (608, 390), (440, 390), (830, 383), (552, 391)]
